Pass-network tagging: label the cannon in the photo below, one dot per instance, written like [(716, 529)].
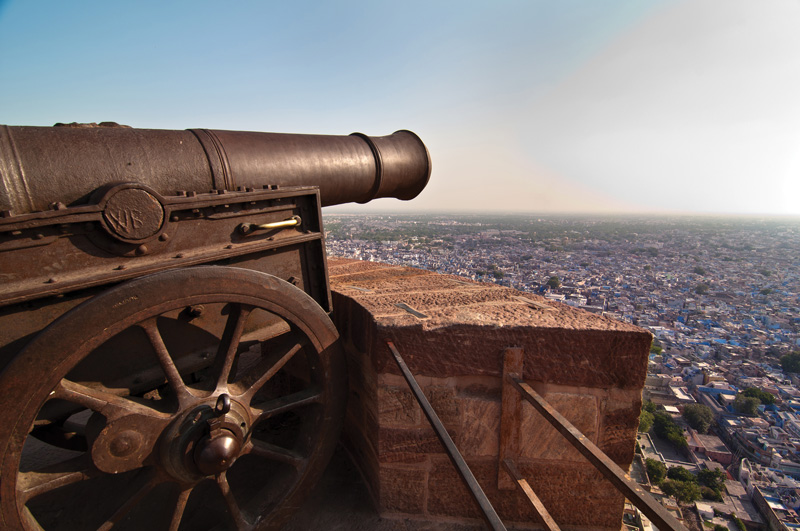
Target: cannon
[(167, 356)]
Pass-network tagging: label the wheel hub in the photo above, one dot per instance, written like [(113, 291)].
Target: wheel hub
[(216, 452), (122, 444), (206, 440)]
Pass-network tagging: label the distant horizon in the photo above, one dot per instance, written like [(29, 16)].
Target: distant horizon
[(354, 210)]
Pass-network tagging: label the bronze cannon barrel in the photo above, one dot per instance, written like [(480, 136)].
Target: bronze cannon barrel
[(40, 166)]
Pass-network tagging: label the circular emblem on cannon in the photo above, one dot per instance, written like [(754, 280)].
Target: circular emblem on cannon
[(132, 214)]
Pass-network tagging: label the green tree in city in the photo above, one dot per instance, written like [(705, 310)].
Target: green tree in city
[(678, 441), (681, 474), (791, 362), (683, 491), (554, 282), (710, 494), (655, 347), (714, 479), (656, 470), (665, 428), (699, 417), (662, 423), (763, 396), (687, 487), (649, 406), (645, 421), (701, 289), (670, 487), (746, 405)]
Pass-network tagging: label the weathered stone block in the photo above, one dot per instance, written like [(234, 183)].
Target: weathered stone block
[(403, 490), (486, 389), (444, 403), (480, 431), (399, 445), (619, 424), (575, 494), (398, 407), (618, 435), (540, 440), (448, 496)]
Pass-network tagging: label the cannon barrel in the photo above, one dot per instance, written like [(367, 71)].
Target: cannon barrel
[(40, 166)]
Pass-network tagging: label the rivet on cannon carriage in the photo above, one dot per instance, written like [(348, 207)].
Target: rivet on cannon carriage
[(168, 360)]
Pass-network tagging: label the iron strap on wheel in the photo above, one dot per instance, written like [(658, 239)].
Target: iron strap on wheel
[(489, 514)]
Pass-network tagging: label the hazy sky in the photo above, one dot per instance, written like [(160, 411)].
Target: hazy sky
[(532, 105)]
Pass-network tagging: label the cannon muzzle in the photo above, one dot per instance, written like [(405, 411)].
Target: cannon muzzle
[(40, 166)]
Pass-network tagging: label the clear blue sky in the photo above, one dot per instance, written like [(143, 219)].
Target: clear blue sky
[(540, 106)]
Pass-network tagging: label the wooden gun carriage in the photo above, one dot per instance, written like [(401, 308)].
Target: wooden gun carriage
[(167, 357)]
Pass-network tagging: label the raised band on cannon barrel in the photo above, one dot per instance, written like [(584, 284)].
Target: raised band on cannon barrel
[(167, 357)]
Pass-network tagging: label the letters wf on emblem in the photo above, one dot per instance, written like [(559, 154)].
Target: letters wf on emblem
[(125, 220)]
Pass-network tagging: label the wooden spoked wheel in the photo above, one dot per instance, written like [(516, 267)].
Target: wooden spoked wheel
[(200, 398)]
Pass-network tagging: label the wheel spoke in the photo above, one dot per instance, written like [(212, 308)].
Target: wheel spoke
[(229, 346), (282, 404), (268, 367), (174, 378), (102, 401), (180, 506), (57, 434), (129, 504), (233, 505), (273, 453), (37, 482)]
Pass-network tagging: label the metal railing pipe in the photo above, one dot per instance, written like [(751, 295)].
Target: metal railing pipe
[(488, 512), (656, 512)]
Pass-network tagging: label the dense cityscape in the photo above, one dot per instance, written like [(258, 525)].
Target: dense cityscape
[(719, 295)]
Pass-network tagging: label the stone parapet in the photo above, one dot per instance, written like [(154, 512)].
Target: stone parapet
[(452, 334)]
